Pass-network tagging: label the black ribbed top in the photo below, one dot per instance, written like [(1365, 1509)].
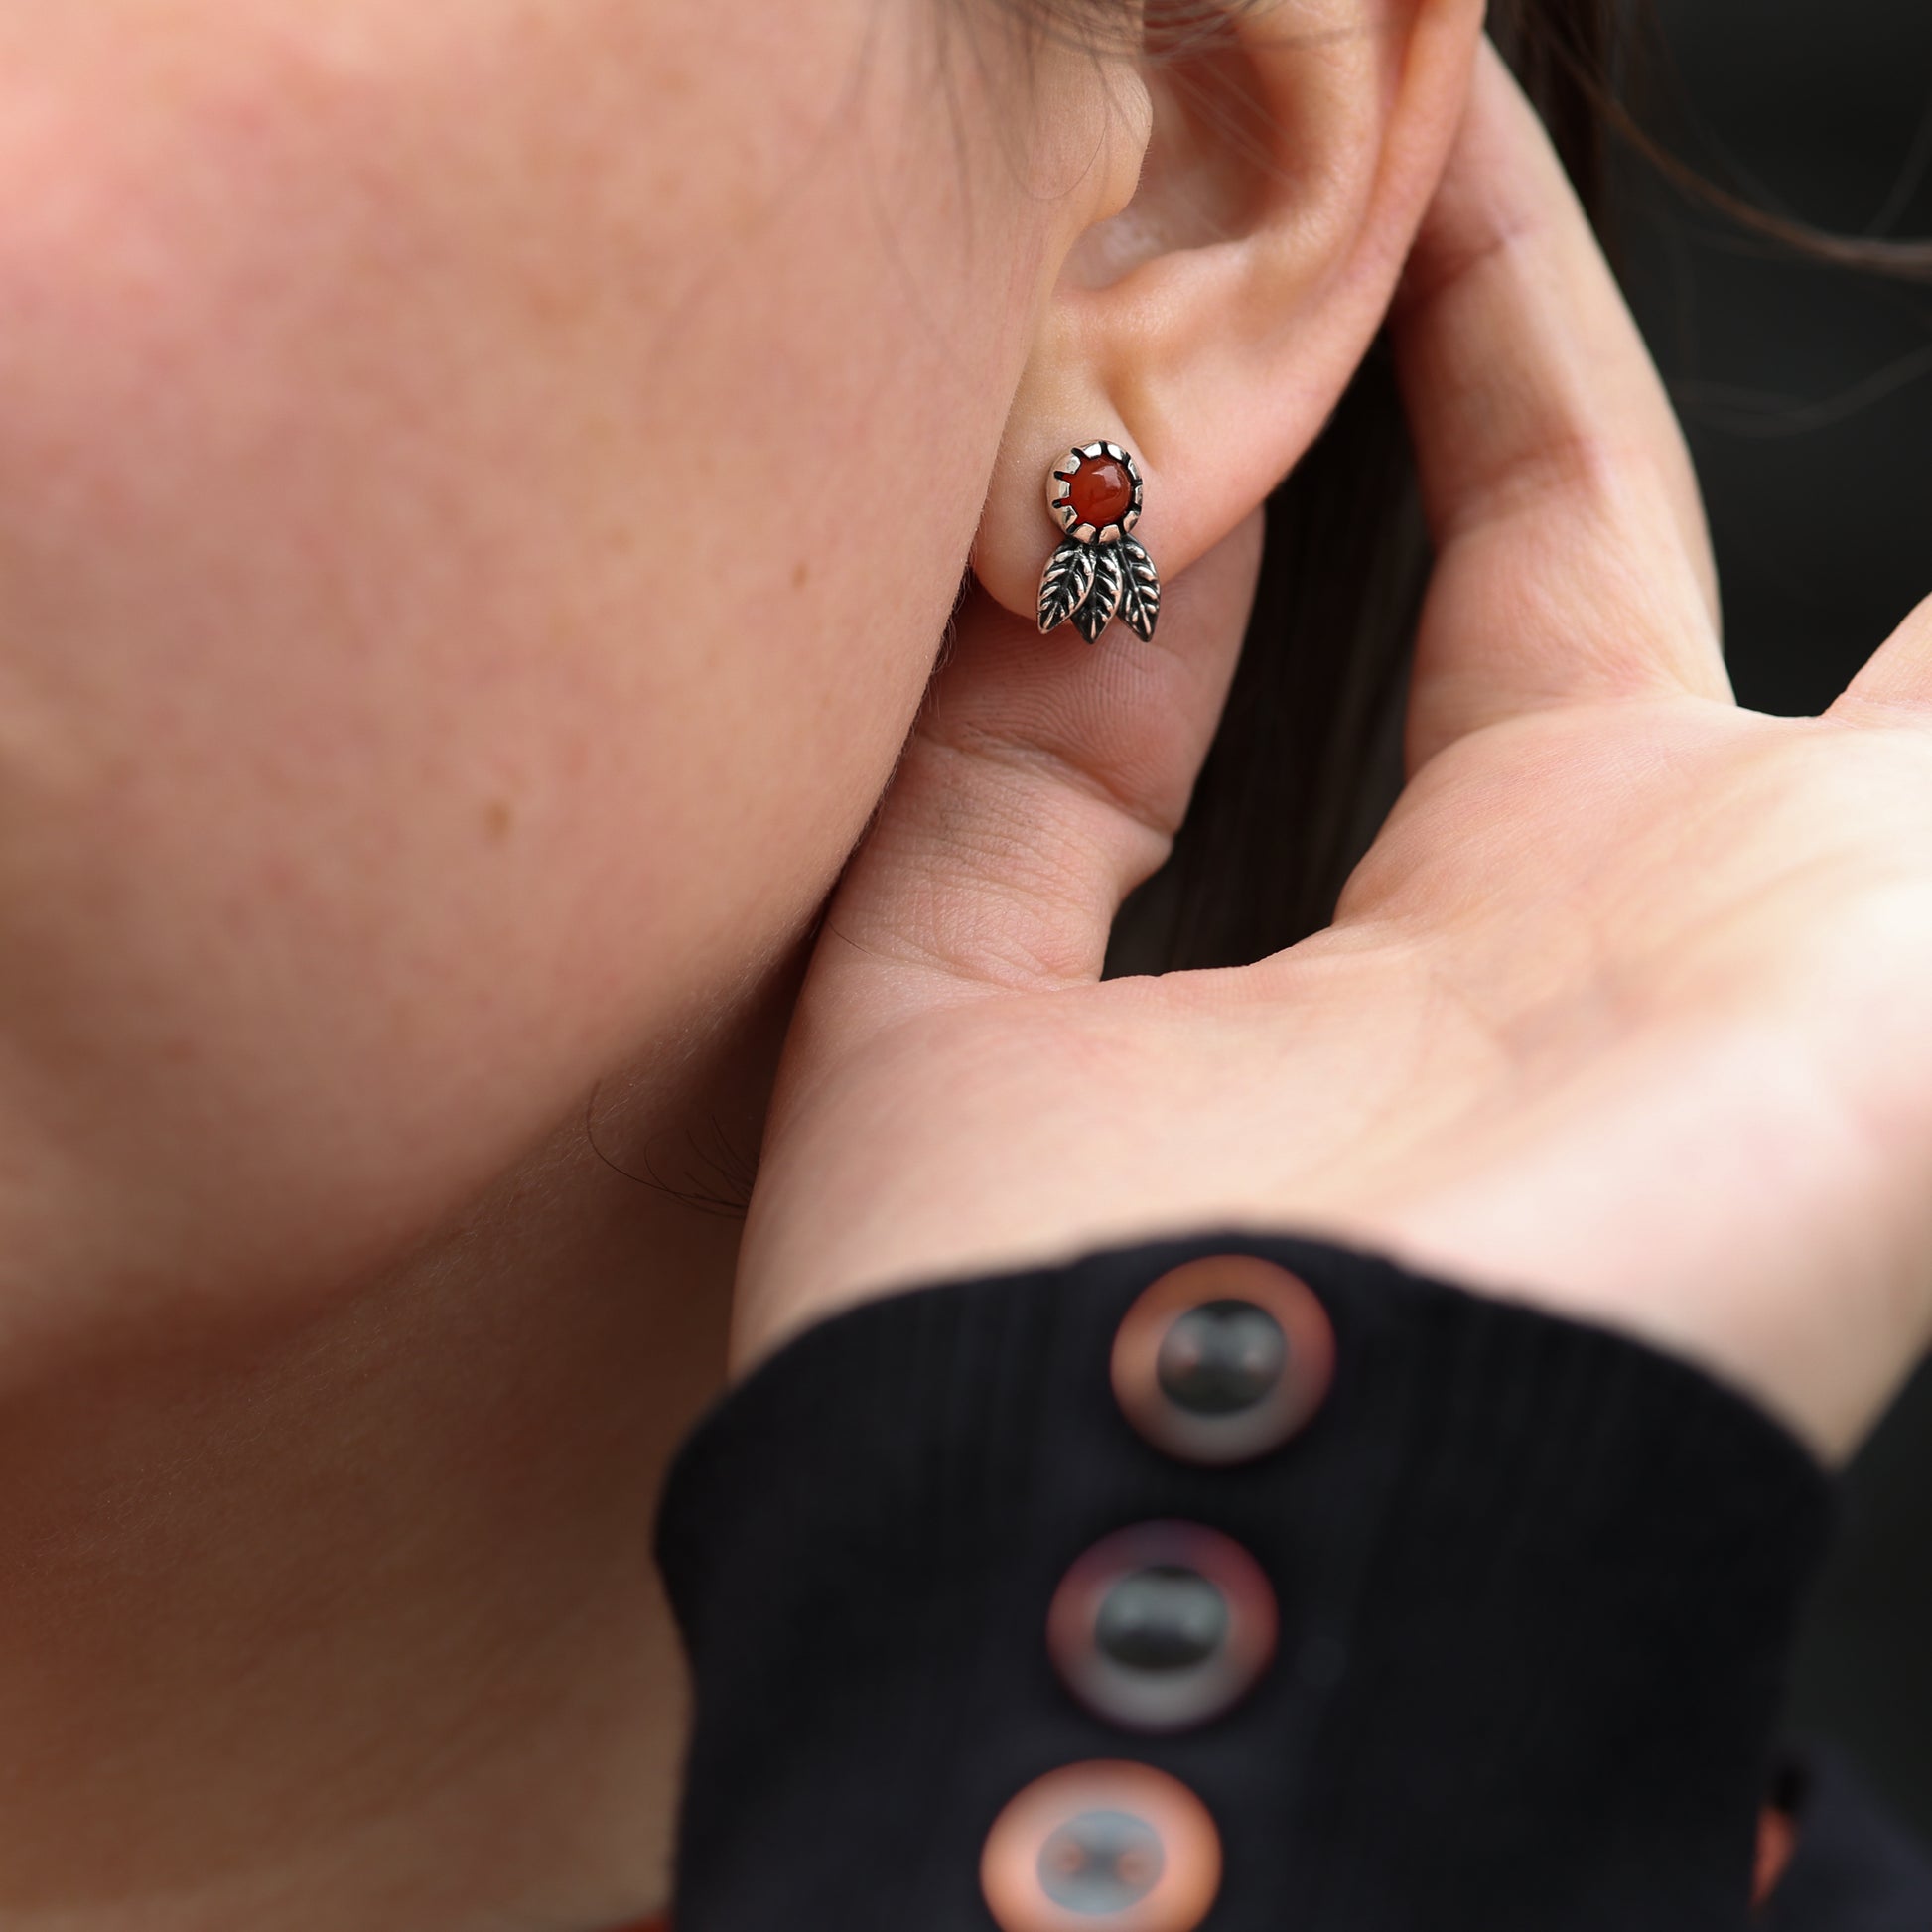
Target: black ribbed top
[(1537, 1583)]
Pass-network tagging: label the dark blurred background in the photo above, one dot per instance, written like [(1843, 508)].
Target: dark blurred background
[(1806, 391)]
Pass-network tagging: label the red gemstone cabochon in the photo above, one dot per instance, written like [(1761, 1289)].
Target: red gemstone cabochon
[(1101, 491)]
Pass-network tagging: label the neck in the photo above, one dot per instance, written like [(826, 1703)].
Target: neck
[(355, 1624)]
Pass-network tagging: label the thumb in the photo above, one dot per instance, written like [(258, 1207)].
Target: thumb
[(1045, 779)]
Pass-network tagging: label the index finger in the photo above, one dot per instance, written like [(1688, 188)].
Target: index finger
[(1554, 472)]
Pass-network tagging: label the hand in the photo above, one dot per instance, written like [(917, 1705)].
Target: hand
[(1628, 1013)]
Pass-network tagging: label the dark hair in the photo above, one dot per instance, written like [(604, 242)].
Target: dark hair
[(1308, 760)]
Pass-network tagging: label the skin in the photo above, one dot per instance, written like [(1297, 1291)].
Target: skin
[(482, 490), (453, 627)]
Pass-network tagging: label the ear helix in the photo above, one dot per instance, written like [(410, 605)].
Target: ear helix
[(1099, 572)]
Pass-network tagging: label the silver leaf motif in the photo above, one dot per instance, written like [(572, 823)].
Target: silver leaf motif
[(1064, 583), (1094, 616), (1140, 596)]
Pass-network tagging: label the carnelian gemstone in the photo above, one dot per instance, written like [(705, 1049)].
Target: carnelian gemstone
[(1101, 490)]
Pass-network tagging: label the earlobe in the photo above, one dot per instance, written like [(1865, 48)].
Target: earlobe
[(1210, 327)]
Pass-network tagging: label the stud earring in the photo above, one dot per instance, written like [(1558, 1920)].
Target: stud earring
[(1099, 572)]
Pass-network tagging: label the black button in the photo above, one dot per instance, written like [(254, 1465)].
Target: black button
[(1221, 1357), (1103, 1847), (1161, 1618), (1162, 1627)]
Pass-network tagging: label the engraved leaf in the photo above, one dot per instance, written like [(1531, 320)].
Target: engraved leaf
[(1140, 595), (1064, 583), (1094, 616)]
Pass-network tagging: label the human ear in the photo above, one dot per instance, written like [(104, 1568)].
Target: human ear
[(1212, 324)]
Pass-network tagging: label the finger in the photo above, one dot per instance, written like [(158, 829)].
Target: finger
[(1045, 779), (1573, 555), (1898, 679)]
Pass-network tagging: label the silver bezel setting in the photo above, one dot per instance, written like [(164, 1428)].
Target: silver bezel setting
[(1060, 492)]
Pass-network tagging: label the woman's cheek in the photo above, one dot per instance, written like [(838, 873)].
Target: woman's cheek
[(464, 574)]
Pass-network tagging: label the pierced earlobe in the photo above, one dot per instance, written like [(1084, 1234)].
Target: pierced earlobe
[(1099, 572)]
